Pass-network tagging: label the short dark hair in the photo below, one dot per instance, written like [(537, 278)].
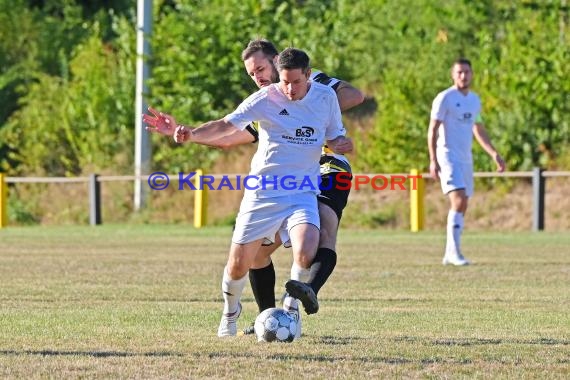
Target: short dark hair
[(262, 45), (292, 58), (462, 61)]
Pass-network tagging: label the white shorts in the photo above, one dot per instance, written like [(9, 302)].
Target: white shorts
[(262, 218), (456, 176)]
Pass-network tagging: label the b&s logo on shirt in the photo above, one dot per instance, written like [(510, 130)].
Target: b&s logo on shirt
[(467, 116), (303, 136), (304, 132)]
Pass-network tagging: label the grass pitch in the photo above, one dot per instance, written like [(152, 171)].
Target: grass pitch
[(145, 302)]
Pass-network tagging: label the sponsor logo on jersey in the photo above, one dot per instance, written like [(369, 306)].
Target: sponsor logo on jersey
[(303, 136), (304, 132)]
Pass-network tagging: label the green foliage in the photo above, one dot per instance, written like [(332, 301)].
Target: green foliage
[(19, 212), (68, 125), (67, 75), (524, 81), (70, 122)]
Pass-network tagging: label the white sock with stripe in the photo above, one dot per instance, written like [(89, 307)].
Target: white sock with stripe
[(454, 230), (300, 274), (231, 291)]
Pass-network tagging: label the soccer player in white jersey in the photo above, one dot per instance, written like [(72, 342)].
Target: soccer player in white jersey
[(266, 209), (258, 58), (455, 119)]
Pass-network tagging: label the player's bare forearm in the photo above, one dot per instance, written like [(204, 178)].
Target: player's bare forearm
[(235, 138), (432, 138), (341, 145), (209, 133), (348, 96), (483, 139), (432, 143)]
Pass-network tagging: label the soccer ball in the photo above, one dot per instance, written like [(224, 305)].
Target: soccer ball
[(275, 325)]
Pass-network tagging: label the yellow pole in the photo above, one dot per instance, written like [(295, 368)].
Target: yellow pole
[(417, 214), (3, 202), (200, 201)]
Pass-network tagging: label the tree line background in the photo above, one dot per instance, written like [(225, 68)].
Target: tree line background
[(67, 70)]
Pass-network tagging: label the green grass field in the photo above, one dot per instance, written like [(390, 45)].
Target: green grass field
[(145, 302)]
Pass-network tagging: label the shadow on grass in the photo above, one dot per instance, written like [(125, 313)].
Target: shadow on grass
[(335, 358), (337, 340), (482, 341), (95, 354)]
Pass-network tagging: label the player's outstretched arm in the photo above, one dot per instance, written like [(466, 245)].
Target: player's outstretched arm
[(236, 138), (165, 124), (483, 139), (341, 145), (348, 96), (223, 141), (208, 133)]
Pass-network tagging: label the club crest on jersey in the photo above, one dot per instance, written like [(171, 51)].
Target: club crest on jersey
[(304, 132)]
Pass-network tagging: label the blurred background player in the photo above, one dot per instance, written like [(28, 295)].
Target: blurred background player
[(455, 119)]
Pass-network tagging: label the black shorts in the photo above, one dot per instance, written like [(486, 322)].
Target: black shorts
[(333, 193)]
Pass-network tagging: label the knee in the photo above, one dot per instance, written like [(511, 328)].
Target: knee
[(236, 269), (327, 238), (459, 204), (305, 261), (462, 205), (261, 262)]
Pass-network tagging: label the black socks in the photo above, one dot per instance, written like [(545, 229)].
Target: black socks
[(322, 267), (263, 286)]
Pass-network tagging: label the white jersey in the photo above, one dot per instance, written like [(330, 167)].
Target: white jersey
[(458, 113), (330, 162), (291, 134)]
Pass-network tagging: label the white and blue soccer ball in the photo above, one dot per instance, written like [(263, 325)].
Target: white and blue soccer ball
[(275, 325)]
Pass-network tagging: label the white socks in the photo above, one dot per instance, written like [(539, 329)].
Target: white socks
[(231, 290), (454, 230), (300, 274)]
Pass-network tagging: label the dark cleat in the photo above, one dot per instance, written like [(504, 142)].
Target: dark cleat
[(304, 293)]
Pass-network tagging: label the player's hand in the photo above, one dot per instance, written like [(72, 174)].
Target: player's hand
[(341, 145), (159, 122), (182, 134), (434, 170), (500, 163)]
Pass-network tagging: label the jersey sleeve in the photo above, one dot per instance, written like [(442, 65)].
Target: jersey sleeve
[(320, 77), (250, 109), (438, 108)]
